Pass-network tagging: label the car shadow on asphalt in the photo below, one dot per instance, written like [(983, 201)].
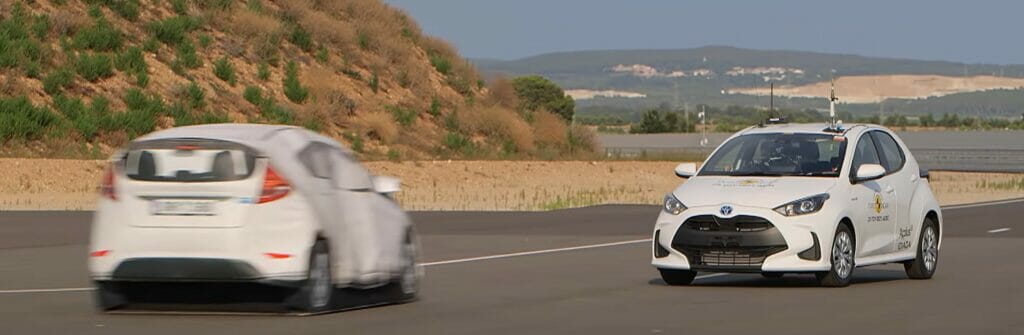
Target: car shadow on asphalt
[(794, 280)]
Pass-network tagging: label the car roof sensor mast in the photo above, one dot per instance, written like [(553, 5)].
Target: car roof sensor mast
[(834, 125)]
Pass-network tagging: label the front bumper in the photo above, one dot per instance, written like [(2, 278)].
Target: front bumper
[(750, 240)]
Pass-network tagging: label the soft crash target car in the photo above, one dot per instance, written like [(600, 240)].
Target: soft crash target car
[(237, 203), (800, 198)]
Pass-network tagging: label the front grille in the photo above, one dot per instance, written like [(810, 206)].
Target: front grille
[(750, 257), (741, 223)]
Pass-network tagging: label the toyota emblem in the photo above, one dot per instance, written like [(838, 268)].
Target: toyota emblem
[(725, 210)]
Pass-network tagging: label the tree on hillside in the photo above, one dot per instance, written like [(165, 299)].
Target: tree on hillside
[(539, 93)]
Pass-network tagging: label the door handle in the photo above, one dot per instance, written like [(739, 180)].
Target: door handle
[(890, 189)]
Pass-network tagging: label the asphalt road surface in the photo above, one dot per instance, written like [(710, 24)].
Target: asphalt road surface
[(538, 282)]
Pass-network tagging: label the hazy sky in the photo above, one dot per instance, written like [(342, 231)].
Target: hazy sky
[(959, 30)]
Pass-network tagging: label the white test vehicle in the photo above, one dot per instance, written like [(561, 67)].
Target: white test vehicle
[(800, 198), (243, 203)]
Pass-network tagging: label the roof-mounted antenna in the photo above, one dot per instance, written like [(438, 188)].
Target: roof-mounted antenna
[(834, 124)]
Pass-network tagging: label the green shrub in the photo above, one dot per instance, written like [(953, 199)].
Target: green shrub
[(404, 116), (101, 36), (255, 5), (374, 83), (322, 55), (292, 88), (364, 40), (275, 113), (84, 120), (223, 69), (14, 52), (93, 67), (301, 38), (151, 45), (213, 117), (458, 143), (32, 69), (57, 80), (94, 11), (435, 107), (263, 71), (180, 7), (20, 119), (205, 41), (185, 55), (394, 155), (441, 63), (128, 9), (132, 60), (41, 26), (173, 30), (142, 79), (216, 4), (140, 117), (355, 140), (253, 95), (195, 95)]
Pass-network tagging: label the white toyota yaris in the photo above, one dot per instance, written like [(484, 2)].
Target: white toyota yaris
[(242, 203), (800, 198)]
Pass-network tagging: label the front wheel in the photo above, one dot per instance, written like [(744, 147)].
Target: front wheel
[(409, 279), (843, 249), (923, 266), (677, 277)]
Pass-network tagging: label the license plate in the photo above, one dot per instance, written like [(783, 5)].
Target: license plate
[(183, 207)]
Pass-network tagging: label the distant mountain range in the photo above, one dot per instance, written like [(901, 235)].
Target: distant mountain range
[(713, 75)]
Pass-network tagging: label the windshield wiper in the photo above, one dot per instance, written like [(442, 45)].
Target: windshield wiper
[(759, 174)]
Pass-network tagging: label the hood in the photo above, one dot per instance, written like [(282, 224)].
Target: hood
[(749, 191)]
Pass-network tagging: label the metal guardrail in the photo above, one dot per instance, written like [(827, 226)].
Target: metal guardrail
[(967, 160), (980, 151), (981, 160)]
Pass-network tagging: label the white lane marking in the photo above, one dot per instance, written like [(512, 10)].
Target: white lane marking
[(536, 252), (982, 204), (1000, 230), (451, 261), (48, 290)]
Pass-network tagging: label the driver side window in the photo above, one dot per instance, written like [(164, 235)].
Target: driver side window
[(865, 154)]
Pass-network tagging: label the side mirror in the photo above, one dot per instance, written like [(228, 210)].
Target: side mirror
[(386, 185), (686, 170), (868, 172)]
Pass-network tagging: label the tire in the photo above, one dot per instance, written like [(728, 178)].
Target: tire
[(108, 296), (844, 247), (677, 277), (409, 278), (923, 266), (772, 275), (317, 292)]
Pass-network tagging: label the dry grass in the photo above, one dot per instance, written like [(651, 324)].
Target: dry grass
[(378, 125), (549, 130), (252, 25), (470, 185), (499, 122)]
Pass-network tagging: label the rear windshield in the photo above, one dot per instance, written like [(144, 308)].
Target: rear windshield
[(186, 160)]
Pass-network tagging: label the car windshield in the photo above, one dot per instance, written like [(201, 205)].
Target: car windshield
[(817, 155)]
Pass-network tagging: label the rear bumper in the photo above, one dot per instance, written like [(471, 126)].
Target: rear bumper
[(184, 270)]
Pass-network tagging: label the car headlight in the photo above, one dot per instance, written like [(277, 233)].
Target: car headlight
[(672, 205), (803, 206)]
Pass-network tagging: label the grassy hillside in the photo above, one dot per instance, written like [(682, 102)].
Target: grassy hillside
[(82, 77)]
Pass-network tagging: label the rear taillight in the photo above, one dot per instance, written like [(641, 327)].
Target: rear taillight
[(274, 186), (107, 189)]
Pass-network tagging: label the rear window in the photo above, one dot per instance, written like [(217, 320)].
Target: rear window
[(186, 160)]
